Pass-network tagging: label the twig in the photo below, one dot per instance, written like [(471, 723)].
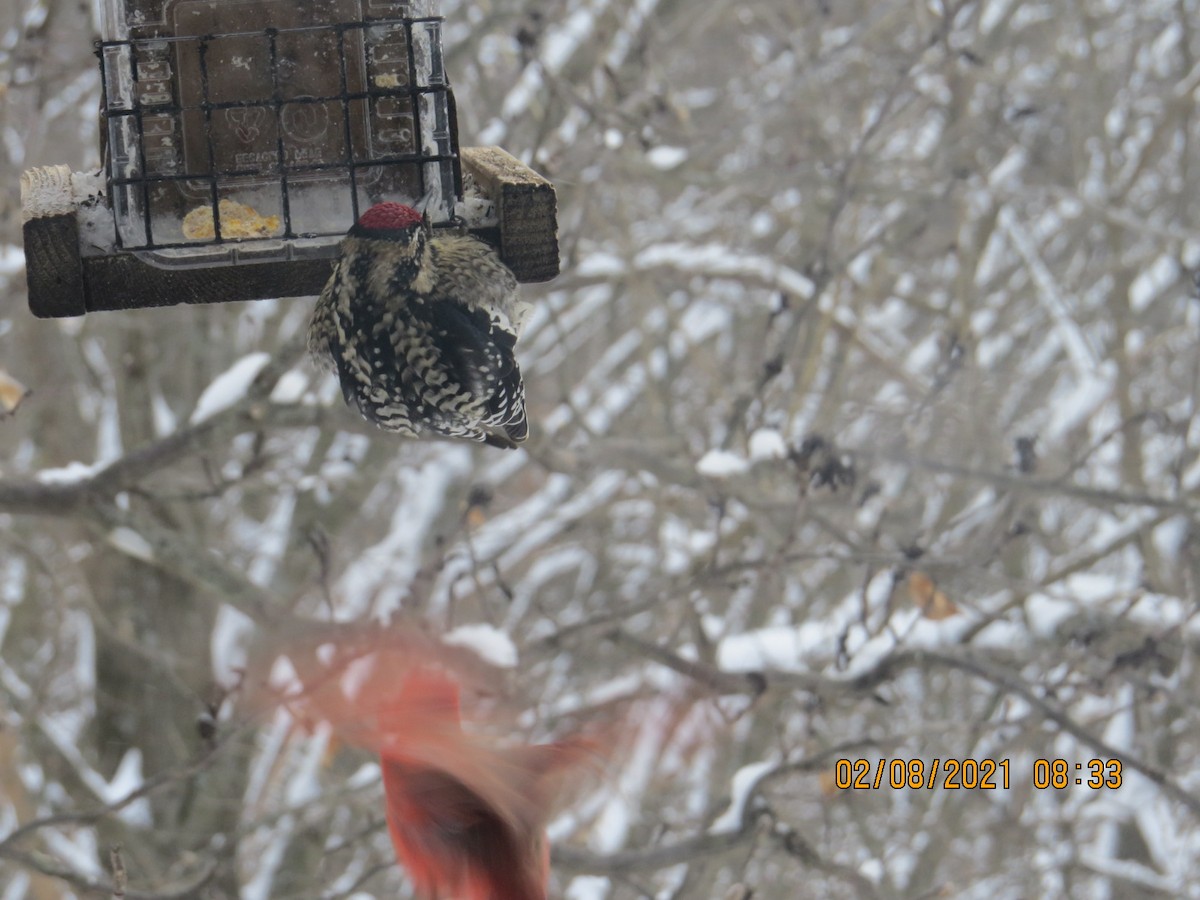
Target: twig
[(53, 868), (189, 561), (708, 843), (1023, 483), (682, 851), (35, 498), (711, 677), (120, 881), (1014, 684), (84, 817), (886, 670)]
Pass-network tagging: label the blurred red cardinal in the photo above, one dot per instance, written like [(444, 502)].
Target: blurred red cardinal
[(467, 818), (467, 821)]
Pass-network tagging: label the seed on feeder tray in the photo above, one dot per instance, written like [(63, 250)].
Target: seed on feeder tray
[(237, 221), (387, 80), (12, 392)]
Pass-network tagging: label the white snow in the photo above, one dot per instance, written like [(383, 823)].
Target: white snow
[(164, 417), (1079, 402), (1160, 275), (272, 537), (87, 186), (616, 688), (284, 677), (550, 565), (717, 260), (558, 45), (364, 776), (523, 532), (744, 781), (230, 636), (76, 848), (290, 387), (1078, 347), (766, 444), (722, 464), (127, 779), (587, 887), (131, 543), (1008, 168), (476, 208), (1170, 537), (229, 387), (267, 857), (633, 20), (621, 810), (780, 647), (273, 738), (490, 643), (666, 158), (14, 572), (35, 16), (18, 888), (303, 787), (601, 264), (12, 259), (873, 870), (378, 579), (681, 544), (104, 408), (71, 473)]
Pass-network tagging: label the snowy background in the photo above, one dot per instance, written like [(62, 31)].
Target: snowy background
[(863, 426)]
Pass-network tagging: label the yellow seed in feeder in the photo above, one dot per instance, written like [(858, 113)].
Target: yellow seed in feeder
[(12, 392), (238, 221)]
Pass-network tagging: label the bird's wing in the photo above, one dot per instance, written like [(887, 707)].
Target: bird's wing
[(473, 368), (321, 328)]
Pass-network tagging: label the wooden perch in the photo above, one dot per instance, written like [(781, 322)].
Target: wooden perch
[(53, 267), (527, 207), (63, 281)]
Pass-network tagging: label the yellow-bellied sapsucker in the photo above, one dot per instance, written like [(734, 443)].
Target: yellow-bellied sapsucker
[(420, 327)]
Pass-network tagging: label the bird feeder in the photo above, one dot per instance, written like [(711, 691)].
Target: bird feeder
[(242, 138)]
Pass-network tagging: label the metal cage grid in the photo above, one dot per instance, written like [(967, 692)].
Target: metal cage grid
[(180, 140)]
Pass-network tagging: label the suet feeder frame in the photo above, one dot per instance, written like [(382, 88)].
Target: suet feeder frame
[(241, 138)]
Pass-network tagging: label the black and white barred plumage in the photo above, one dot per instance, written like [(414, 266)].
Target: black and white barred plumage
[(420, 327)]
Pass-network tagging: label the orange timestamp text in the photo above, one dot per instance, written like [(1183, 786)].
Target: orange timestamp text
[(971, 774)]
